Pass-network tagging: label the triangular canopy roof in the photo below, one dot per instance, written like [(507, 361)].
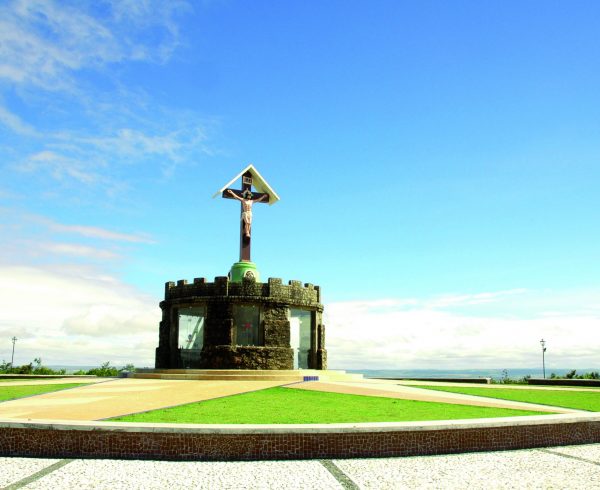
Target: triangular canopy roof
[(258, 183)]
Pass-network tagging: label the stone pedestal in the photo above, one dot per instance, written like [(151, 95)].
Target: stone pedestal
[(240, 325)]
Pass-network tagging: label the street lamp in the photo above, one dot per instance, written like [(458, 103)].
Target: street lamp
[(12, 359), (543, 342)]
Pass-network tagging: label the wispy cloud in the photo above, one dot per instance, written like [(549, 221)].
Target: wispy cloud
[(60, 167), (15, 123), (43, 42), (472, 299), (76, 160), (97, 232), (78, 250), (35, 239), (90, 231), (47, 50)]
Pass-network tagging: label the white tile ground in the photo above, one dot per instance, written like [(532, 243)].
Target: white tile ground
[(118, 474), (13, 470), (528, 469), (589, 451)]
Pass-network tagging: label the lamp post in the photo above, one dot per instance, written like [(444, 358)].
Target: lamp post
[(12, 359), (543, 342)]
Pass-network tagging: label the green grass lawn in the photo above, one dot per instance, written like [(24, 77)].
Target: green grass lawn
[(12, 392), (290, 406), (7, 380), (580, 400)]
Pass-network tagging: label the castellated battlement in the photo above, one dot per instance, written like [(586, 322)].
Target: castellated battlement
[(272, 290)]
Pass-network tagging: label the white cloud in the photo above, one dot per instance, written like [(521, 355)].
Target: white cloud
[(78, 250), (82, 162), (75, 316), (422, 336), (60, 305), (471, 299), (15, 123), (102, 130), (61, 167), (43, 42), (33, 235), (90, 231), (133, 142)]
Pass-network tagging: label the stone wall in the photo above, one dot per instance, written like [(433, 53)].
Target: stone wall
[(220, 350), (226, 443)]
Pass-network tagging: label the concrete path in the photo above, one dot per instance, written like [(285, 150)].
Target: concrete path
[(391, 389), (122, 396), (408, 382), (570, 467)]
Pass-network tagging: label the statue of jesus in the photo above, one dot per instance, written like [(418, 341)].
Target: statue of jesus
[(247, 202)]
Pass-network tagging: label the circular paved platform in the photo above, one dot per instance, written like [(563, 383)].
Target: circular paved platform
[(71, 431)]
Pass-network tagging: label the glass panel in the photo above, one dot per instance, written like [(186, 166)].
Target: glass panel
[(246, 319), (300, 327), (191, 327), (295, 338)]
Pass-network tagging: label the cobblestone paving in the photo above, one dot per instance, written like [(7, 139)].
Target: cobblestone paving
[(572, 467)]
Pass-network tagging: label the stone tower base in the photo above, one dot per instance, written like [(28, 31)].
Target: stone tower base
[(241, 325)]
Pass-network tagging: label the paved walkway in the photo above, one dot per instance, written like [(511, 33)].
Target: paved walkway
[(122, 396), (570, 467), (409, 382), (103, 398), (391, 389)]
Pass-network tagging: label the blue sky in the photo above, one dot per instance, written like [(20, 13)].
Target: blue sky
[(437, 164)]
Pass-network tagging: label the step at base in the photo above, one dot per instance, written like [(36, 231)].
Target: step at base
[(285, 376)]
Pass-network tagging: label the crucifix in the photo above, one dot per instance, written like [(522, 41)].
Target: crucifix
[(247, 198)]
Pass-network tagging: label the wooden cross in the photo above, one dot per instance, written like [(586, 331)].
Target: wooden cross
[(247, 198)]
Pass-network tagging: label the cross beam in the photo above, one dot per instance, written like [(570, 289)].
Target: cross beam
[(247, 198)]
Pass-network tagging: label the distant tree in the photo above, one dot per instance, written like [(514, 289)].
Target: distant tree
[(106, 370), (40, 369), (573, 375), (34, 367), (129, 368)]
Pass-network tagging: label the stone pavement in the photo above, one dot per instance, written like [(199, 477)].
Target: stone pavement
[(120, 397), (570, 467), (500, 386)]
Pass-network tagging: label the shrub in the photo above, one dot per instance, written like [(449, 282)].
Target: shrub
[(36, 367), (573, 375), (106, 370), (506, 380)]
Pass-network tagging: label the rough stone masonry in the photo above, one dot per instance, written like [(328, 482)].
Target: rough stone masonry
[(239, 325)]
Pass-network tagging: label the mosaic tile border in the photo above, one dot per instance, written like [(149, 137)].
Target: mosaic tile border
[(61, 439)]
